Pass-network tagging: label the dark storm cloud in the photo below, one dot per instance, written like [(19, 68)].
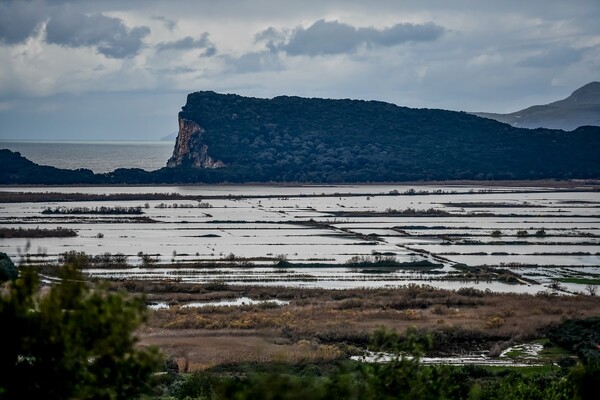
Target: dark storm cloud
[(553, 58), (110, 36), (19, 20), (334, 37), (69, 27), (189, 43)]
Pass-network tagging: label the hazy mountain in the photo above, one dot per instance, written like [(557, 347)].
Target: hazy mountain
[(169, 138), (579, 109)]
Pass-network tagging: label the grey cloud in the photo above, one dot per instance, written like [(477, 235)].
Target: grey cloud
[(19, 20), (272, 37), (401, 33), (269, 34), (333, 37), (553, 58), (254, 62), (108, 35), (323, 38), (169, 23), (189, 43), (173, 70)]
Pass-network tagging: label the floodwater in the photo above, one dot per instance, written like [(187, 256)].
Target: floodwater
[(249, 229)]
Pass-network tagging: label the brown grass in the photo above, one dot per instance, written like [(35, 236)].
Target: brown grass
[(332, 320)]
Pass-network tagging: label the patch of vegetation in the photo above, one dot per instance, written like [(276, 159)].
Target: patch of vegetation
[(492, 205), (540, 232), (391, 212), (581, 336), (83, 260), (93, 210), (580, 281), (73, 341), (525, 371), (8, 233), (47, 197), (183, 205), (8, 269), (383, 261), (551, 352), (403, 377)]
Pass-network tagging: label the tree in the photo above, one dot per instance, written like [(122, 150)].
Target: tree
[(8, 270), (73, 341)]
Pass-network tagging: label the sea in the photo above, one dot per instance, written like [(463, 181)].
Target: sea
[(99, 156)]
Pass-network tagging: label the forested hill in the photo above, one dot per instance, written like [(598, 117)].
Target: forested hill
[(229, 138), (319, 140)]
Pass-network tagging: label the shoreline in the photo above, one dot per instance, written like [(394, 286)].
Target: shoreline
[(550, 183)]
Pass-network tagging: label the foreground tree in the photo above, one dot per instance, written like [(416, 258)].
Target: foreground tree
[(70, 341), (8, 270)]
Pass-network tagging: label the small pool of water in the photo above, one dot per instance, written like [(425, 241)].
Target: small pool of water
[(242, 301)]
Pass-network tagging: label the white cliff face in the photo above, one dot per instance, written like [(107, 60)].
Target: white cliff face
[(189, 150)]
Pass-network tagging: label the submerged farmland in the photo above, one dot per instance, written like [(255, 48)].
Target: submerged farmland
[(508, 239)]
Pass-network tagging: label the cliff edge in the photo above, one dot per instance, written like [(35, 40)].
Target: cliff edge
[(190, 150)]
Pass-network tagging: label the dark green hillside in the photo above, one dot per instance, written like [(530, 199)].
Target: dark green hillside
[(318, 140), (16, 169), (293, 139)]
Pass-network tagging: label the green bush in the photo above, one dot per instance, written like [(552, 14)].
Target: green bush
[(8, 270), (581, 336), (71, 342)]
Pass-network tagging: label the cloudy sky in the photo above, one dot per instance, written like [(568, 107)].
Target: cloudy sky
[(120, 70)]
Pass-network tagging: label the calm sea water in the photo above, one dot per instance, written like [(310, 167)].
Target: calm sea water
[(97, 156)]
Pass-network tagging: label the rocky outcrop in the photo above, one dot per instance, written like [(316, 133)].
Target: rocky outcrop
[(190, 151)]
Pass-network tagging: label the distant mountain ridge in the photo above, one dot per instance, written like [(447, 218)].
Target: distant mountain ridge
[(581, 108), (169, 138)]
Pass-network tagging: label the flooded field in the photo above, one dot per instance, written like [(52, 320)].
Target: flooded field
[(506, 239)]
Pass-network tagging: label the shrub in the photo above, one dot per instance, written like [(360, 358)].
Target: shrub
[(440, 309), (216, 285), (411, 315), (72, 342), (540, 232), (494, 322), (73, 257), (147, 260), (580, 336), (8, 270), (470, 292)]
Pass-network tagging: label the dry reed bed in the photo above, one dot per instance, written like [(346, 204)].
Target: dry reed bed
[(321, 324)]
